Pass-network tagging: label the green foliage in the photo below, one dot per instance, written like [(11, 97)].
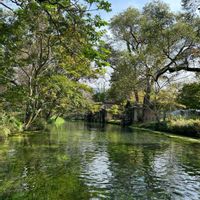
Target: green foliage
[(47, 50), (9, 124), (156, 44), (94, 108), (186, 127), (166, 99), (100, 96), (179, 126), (57, 120), (126, 77), (189, 95), (114, 110)]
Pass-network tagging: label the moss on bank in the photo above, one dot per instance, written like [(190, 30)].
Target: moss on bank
[(10, 125)]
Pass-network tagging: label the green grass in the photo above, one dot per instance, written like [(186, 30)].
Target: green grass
[(179, 126)]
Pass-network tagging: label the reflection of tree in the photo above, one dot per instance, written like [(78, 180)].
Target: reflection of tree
[(42, 168), (74, 163), (163, 170), (95, 126), (131, 158), (178, 167), (190, 158)]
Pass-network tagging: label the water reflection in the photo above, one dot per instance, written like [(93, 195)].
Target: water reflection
[(88, 161)]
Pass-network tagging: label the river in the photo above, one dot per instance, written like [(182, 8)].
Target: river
[(78, 161)]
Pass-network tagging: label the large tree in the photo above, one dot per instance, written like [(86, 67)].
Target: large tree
[(47, 51), (160, 41)]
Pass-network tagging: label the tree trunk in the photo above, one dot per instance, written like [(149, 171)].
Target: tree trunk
[(136, 96), (146, 101), (30, 118), (32, 109)]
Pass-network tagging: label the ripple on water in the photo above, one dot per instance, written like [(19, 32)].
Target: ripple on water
[(74, 162)]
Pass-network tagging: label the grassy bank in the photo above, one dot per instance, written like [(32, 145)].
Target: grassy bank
[(179, 126), (184, 127)]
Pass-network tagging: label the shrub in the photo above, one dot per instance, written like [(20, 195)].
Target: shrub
[(39, 124), (188, 127), (114, 110), (180, 126), (9, 124)]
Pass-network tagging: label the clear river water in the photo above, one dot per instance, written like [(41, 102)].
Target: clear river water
[(78, 161)]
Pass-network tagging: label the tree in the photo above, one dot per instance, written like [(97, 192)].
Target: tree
[(160, 42), (125, 79), (47, 53), (165, 99), (128, 68), (189, 95)]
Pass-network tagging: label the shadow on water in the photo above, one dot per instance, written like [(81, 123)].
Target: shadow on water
[(92, 126), (102, 127), (93, 161)]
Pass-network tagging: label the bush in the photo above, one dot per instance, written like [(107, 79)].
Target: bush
[(9, 124), (39, 124), (114, 110), (188, 127), (179, 126), (5, 132), (56, 120)]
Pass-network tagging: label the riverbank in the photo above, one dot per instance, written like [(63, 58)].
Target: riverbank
[(10, 126), (169, 135), (173, 128), (179, 126), (189, 128)]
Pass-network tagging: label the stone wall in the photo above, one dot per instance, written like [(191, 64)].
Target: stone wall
[(131, 115)]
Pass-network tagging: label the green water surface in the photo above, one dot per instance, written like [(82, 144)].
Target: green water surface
[(78, 161)]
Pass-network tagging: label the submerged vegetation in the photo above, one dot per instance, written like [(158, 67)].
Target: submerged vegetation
[(77, 162)]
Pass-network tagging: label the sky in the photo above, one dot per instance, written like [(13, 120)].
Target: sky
[(120, 5)]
